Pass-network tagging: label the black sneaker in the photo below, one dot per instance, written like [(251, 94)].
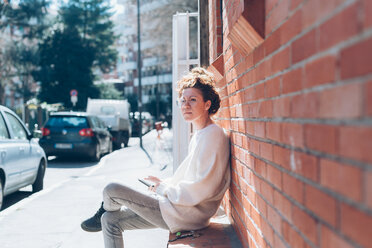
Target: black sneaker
[(93, 224)]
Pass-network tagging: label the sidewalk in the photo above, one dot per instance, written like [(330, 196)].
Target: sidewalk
[(52, 217)]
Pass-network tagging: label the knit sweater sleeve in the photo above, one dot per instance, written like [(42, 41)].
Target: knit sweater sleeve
[(203, 172)]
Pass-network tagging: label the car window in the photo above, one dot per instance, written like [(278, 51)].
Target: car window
[(17, 128), (67, 121), (4, 134)]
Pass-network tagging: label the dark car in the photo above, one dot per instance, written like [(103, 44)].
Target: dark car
[(22, 160), (75, 133)]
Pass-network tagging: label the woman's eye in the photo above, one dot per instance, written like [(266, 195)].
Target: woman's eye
[(193, 99)]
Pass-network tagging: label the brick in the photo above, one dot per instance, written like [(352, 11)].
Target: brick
[(266, 109), (267, 232), (306, 166), (273, 130), (368, 188), (340, 27), (356, 225), (267, 192), (292, 81), (272, 87), (291, 28), (316, 10), (259, 129), (344, 179), (291, 236), (282, 107), (295, 3), (321, 138), (355, 142), (262, 206), (272, 43), (258, 53), (320, 71), (305, 223), (270, 4), (368, 98), (266, 151), (282, 156), (321, 204), (305, 105), (280, 61), (332, 102), (274, 219), (260, 168), (283, 205), (249, 94), (293, 187), (304, 47), (292, 134), (367, 8), (355, 60), (329, 239), (278, 243), (277, 16), (274, 176), (259, 91)]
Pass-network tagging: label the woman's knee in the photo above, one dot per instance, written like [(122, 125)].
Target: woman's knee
[(113, 188)]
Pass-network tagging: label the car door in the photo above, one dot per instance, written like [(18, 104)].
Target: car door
[(8, 157), (27, 162)]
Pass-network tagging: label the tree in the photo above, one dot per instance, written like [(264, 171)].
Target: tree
[(66, 64), (82, 42), (92, 19), (25, 24), (108, 91)]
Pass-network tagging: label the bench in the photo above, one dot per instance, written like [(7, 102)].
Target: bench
[(219, 234)]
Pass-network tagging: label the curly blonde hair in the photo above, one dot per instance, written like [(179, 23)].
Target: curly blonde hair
[(200, 78)]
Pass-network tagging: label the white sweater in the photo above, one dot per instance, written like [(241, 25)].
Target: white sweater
[(193, 194)]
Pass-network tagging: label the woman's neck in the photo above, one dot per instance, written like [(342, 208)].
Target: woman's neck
[(202, 123)]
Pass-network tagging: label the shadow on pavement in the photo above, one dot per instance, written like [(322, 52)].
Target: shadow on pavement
[(69, 162), (14, 198)]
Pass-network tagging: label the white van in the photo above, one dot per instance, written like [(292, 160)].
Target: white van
[(115, 113)]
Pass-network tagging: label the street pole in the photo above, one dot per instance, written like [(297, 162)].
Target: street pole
[(139, 70)]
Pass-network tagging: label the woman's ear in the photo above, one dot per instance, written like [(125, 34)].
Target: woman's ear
[(208, 104)]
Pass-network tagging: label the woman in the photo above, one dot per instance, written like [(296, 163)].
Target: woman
[(188, 199)]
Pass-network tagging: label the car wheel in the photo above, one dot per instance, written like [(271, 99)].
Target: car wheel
[(1, 193), (39, 182), (97, 154)]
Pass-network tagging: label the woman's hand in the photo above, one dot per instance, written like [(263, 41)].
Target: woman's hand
[(156, 181)]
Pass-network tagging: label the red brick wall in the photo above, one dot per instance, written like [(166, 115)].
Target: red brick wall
[(298, 108)]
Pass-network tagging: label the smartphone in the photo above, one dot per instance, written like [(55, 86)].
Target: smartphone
[(144, 182)]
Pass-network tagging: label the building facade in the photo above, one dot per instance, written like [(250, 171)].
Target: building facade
[(295, 80)]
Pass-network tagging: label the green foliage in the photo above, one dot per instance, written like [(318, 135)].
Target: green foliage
[(92, 19), (65, 64), (19, 54), (108, 91), (82, 42)]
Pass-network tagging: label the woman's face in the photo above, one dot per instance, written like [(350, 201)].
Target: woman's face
[(192, 105)]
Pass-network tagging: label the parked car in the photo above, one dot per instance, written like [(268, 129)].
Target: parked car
[(75, 133), (22, 160), (147, 123)]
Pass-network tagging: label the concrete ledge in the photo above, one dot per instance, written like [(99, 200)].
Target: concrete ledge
[(219, 234)]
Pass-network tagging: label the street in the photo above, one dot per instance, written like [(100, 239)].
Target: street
[(72, 193)]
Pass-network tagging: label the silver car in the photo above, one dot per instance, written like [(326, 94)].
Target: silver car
[(22, 160)]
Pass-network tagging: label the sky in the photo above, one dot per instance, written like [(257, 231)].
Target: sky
[(117, 7)]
